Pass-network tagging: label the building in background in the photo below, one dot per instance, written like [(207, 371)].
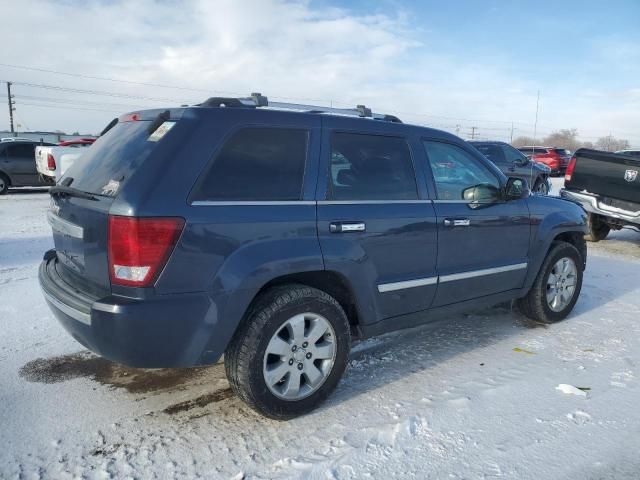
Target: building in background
[(50, 137)]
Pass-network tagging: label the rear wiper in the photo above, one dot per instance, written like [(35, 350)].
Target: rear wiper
[(64, 191)]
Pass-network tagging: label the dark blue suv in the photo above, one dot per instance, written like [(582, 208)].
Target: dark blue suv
[(277, 234)]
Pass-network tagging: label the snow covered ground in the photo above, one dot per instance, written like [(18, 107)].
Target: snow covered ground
[(470, 397)]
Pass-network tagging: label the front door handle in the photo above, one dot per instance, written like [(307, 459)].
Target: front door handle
[(343, 227), (457, 222)]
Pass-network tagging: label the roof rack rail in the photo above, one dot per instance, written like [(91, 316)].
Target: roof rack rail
[(256, 100)]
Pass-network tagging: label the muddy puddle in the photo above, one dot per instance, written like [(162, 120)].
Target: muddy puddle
[(134, 380)]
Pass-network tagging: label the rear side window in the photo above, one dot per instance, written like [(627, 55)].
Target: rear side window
[(22, 150), (371, 167), (260, 164)]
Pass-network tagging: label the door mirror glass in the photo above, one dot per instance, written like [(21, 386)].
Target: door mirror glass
[(516, 188), (481, 193)]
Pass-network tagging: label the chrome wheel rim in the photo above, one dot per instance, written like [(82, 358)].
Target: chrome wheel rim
[(299, 357), (561, 284), (1, 184)]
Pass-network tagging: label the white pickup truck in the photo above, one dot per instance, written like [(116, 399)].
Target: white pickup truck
[(53, 161)]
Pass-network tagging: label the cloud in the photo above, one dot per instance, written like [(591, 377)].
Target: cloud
[(286, 50)]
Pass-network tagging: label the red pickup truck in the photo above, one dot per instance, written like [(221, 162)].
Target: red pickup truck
[(555, 158)]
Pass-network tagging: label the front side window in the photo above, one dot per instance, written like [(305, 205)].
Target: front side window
[(371, 167), (259, 164), (513, 155), (455, 171)]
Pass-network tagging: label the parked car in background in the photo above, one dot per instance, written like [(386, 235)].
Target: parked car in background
[(514, 163), (607, 185), (633, 153), (277, 234), (53, 161), (549, 156), (18, 166)]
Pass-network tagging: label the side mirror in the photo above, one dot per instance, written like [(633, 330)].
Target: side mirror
[(482, 193), (516, 188)]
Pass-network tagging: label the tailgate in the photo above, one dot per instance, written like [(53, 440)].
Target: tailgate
[(607, 174), (41, 160), (80, 235)]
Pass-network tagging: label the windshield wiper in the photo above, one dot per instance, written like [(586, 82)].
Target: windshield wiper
[(64, 191)]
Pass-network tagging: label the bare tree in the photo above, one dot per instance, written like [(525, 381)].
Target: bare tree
[(522, 141), (565, 138), (612, 144)]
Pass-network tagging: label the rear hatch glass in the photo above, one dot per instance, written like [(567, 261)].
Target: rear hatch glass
[(110, 161), (80, 215)]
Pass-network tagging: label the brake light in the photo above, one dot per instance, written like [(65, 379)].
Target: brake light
[(140, 247), (130, 117), (570, 168), (51, 162)]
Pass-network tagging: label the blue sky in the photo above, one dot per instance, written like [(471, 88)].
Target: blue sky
[(452, 65)]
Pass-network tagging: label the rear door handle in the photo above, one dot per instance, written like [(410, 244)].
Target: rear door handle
[(343, 227), (457, 222)]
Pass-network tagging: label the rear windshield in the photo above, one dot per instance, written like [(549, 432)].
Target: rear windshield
[(562, 151), (109, 162)]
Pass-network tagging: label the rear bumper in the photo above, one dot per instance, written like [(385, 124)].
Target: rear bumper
[(162, 332), (592, 204)]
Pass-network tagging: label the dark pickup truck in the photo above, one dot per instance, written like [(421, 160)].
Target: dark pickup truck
[(607, 185)]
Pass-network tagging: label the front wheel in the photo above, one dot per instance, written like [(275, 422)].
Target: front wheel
[(557, 286), (290, 352), (541, 187)]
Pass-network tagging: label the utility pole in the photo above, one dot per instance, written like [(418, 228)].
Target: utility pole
[(457, 130), (473, 132), (511, 141), (11, 107)]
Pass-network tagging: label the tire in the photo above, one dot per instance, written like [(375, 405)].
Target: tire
[(249, 366), (536, 304), (598, 230), (4, 184), (541, 187)]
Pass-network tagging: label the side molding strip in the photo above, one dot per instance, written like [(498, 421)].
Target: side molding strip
[(418, 282), (421, 282), (480, 273)]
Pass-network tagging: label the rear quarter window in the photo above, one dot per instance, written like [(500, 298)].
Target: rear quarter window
[(257, 164)]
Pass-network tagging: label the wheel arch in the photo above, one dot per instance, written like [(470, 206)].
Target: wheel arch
[(328, 281)]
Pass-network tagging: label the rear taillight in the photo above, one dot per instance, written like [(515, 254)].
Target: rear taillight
[(140, 247), (570, 168), (51, 162)]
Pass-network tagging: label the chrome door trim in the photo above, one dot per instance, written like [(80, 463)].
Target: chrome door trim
[(480, 273), (65, 227), (369, 202), (250, 203), (418, 282)]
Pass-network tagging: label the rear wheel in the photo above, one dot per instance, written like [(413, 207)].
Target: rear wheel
[(557, 286), (290, 353), (598, 230), (4, 184)]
